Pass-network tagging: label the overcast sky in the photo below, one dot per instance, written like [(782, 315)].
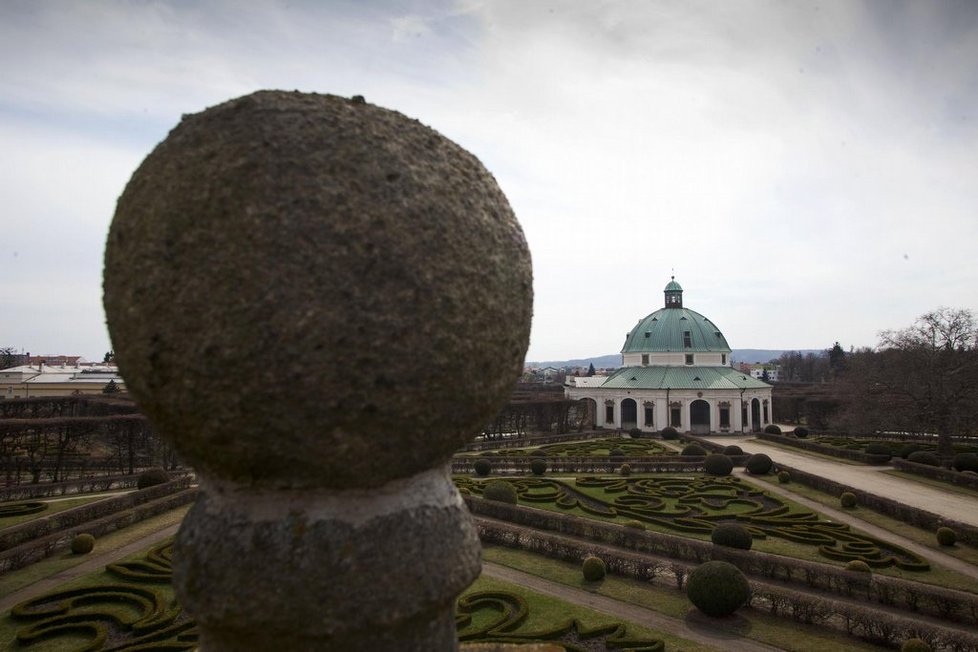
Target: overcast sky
[(808, 169)]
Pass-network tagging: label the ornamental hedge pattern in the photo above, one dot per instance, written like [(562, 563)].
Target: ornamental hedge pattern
[(133, 610), (696, 505)]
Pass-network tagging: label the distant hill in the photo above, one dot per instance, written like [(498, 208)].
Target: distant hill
[(612, 361)]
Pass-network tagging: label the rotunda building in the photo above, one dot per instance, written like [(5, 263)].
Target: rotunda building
[(676, 371)]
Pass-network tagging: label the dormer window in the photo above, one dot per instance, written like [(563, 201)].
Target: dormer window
[(645, 359), (689, 358), (687, 340)]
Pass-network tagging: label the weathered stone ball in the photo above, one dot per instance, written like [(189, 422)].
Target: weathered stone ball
[(308, 291)]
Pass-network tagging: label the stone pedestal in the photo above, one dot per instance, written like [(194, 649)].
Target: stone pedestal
[(317, 301)]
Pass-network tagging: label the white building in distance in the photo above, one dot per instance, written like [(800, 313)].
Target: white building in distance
[(676, 372)]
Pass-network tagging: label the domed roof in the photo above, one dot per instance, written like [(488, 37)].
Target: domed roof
[(675, 329), (667, 329)]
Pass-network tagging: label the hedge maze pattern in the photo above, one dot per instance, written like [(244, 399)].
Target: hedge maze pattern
[(589, 448), (137, 613), (696, 505), (115, 616), (21, 509), (895, 445), (507, 612)]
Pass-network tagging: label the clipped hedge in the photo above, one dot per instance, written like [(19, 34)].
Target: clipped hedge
[(772, 429), (693, 450), (718, 464), (759, 464), (717, 588), (593, 568), (151, 478), (538, 466), (482, 467), (82, 544), (732, 535), (924, 457), (946, 536), (500, 491), (669, 433)]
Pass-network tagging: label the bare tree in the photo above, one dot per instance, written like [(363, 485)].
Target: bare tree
[(923, 378)]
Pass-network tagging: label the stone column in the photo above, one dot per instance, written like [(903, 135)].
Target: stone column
[(317, 301)]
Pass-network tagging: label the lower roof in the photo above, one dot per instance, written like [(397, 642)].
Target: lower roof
[(681, 378)]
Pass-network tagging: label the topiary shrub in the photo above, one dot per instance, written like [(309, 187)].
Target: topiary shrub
[(635, 525), (758, 464), (801, 432), (635, 432), (924, 457), (482, 467), (718, 464), (616, 452), (772, 429), (625, 469), (784, 477), (859, 566), (669, 433), (538, 466), (500, 491), (946, 536), (717, 588), (82, 544), (878, 448), (732, 535), (965, 462), (915, 645), (908, 449), (733, 449), (593, 569), (847, 499), (694, 450), (151, 478)]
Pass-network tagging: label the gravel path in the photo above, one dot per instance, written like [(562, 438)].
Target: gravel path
[(951, 504), (694, 629)]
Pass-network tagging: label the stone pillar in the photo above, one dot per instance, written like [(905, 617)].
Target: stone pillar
[(317, 301)]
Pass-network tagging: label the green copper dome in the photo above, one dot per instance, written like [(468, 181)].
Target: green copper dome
[(675, 329)]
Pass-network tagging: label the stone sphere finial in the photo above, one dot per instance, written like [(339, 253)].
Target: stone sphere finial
[(304, 290), (317, 301)]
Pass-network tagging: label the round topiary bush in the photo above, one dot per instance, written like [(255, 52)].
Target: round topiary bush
[(538, 466), (924, 457), (732, 535), (635, 525), (616, 452), (878, 448), (152, 477), (759, 464), (717, 588), (908, 449), (635, 432), (847, 499), (965, 462), (82, 544), (500, 491), (915, 645), (772, 429), (946, 536), (801, 432), (482, 467), (718, 464), (694, 450), (669, 433), (859, 566), (733, 449), (784, 477), (625, 469), (593, 569)]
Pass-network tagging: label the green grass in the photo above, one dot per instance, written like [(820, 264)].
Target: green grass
[(546, 611), (802, 451), (764, 628), (62, 561)]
